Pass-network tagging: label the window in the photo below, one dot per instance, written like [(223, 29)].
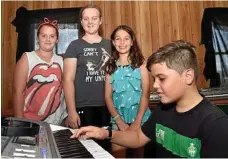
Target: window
[(26, 23), (220, 45)]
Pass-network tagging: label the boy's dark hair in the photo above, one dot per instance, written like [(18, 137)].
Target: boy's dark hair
[(177, 55), (85, 7), (135, 56)]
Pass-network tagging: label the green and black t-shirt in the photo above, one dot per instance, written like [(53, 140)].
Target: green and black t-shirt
[(199, 132)]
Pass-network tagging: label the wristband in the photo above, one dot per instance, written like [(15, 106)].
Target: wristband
[(109, 131), (117, 116)]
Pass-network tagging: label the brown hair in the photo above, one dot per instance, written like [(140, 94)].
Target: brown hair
[(85, 7), (48, 22), (90, 6), (135, 55), (178, 55)]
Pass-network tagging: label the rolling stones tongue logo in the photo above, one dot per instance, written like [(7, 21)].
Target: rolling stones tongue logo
[(43, 91)]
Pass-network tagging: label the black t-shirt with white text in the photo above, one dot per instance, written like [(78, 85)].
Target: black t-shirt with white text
[(90, 74)]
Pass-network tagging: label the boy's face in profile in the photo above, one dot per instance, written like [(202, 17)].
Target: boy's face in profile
[(168, 83)]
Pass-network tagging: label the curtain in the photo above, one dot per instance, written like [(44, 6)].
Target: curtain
[(220, 45), (214, 35)]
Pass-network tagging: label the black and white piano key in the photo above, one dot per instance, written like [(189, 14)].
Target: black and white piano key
[(96, 150), (70, 148)]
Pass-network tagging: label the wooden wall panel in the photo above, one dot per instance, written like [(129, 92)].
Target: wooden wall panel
[(68, 4), (174, 21), (135, 20), (155, 23), (38, 4), (145, 28), (112, 16), (164, 20), (209, 4), (8, 54), (56, 4), (126, 13), (184, 20)]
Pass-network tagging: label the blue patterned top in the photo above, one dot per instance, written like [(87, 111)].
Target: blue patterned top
[(127, 91)]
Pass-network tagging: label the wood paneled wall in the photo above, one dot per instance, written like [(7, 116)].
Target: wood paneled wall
[(154, 22)]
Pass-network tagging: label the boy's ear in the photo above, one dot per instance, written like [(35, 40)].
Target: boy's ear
[(189, 76)]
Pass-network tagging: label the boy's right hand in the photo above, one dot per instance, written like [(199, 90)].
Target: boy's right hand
[(73, 120)]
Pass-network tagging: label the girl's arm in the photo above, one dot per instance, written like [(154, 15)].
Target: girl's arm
[(144, 98), (19, 85), (109, 102), (69, 71)]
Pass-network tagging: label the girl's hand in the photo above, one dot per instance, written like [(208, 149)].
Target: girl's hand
[(134, 126), (73, 120), (121, 124)]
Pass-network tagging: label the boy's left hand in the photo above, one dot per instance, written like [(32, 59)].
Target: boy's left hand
[(91, 132)]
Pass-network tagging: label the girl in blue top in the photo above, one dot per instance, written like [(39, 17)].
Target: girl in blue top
[(126, 86)]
